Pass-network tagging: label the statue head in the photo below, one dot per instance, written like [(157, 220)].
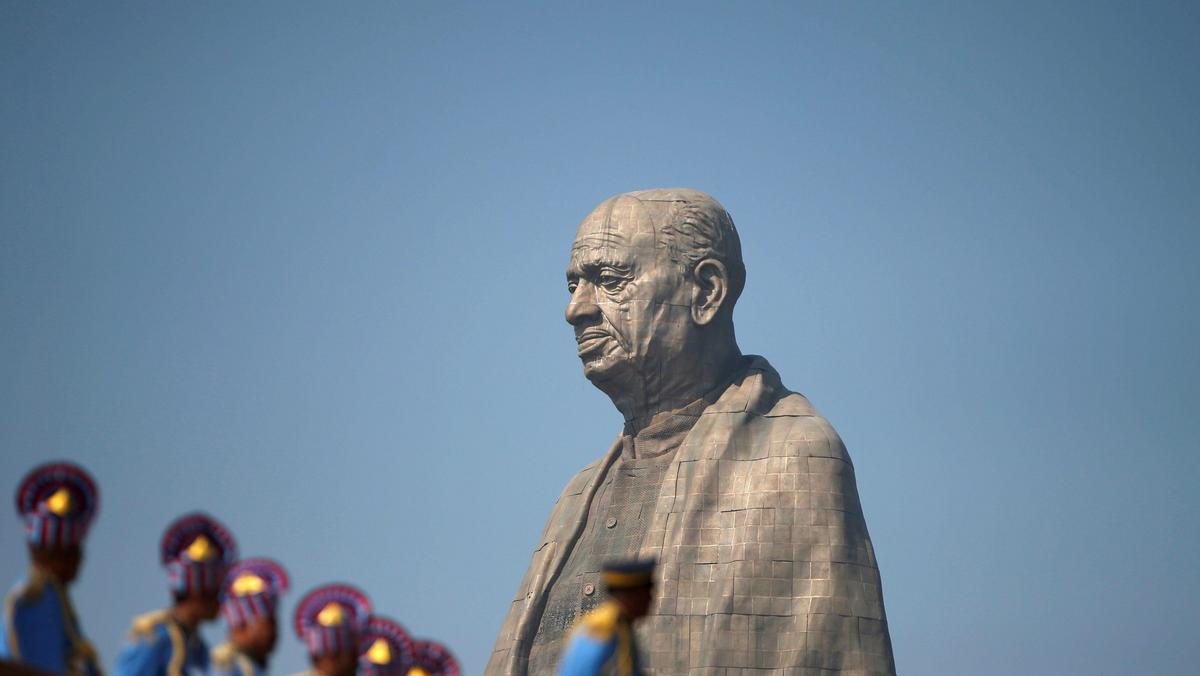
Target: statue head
[(653, 278)]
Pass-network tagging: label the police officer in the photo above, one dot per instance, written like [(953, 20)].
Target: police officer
[(331, 621), (197, 551), (603, 642), (384, 649), (58, 502), (433, 659), (249, 601)]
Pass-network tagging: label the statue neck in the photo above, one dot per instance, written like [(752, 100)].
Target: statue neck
[(678, 387)]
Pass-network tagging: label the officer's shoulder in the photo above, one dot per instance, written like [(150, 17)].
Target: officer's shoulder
[(601, 623), (26, 591), (222, 657), (149, 626)]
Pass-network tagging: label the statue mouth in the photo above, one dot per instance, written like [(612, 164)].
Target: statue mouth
[(591, 341)]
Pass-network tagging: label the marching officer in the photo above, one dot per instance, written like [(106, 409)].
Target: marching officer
[(433, 659), (249, 602), (197, 551), (331, 621), (603, 642), (58, 502), (385, 648)]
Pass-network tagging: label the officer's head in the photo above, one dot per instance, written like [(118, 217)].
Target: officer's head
[(61, 562), (197, 551), (635, 603), (256, 638), (336, 663), (250, 598), (330, 620), (58, 502), (197, 605), (385, 648), (631, 585)]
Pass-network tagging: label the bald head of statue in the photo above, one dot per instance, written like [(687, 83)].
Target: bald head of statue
[(653, 278)]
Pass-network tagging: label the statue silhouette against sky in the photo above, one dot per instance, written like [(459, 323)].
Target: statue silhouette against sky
[(740, 489)]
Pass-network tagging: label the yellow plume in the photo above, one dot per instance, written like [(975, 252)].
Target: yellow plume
[(60, 502), (331, 615), (380, 652), (248, 584), (201, 550)]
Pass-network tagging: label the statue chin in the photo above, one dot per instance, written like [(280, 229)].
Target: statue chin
[(607, 373), (598, 369)]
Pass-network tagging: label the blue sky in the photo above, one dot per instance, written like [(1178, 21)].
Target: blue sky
[(301, 265)]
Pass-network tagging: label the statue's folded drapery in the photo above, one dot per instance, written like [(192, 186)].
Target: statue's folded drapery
[(764, 558)]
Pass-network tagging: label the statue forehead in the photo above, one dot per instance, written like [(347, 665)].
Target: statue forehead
[(639, 212), (621, 217), (632, 220)]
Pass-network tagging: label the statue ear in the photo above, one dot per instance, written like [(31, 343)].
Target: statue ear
[(712, 288)]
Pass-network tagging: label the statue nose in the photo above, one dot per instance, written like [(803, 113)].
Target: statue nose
[(581, 307)]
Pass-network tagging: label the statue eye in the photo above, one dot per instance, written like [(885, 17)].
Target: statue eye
[(611, 282), (571, 286)]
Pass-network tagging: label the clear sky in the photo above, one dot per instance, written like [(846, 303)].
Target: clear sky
[(302, 266)]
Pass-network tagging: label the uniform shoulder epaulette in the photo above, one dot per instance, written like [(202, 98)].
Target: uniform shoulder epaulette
[(30, 590), (222, 657), (601, 623), (144, 625)]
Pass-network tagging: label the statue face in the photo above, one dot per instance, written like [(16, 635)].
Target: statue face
[(630, 306)]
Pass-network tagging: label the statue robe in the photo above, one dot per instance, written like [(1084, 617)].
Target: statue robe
[(764, 560)]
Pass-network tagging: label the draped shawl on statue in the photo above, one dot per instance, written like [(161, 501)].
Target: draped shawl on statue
[(764, 558)]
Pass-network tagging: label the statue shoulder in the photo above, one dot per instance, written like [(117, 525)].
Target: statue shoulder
[(791, 405), (579, 482), (799, 430), (149, 626)]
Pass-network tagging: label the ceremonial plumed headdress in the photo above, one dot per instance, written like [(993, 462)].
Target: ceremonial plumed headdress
[(630, 574), (385, 648), (433, 659), (331, 619), (252, 590), (197, 551), (58, 501)]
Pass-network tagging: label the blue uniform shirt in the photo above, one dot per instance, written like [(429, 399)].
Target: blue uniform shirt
[(159, 646), (229, 661), (602, 643), (39, 628)]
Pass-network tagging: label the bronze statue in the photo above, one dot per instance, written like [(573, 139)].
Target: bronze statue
[(740, 489)]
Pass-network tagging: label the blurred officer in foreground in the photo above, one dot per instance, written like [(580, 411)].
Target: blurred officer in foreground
[(197, 552), (249, 602), (331, 621), (433, 659), (57, 501), (603, 642), (384, 649)]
